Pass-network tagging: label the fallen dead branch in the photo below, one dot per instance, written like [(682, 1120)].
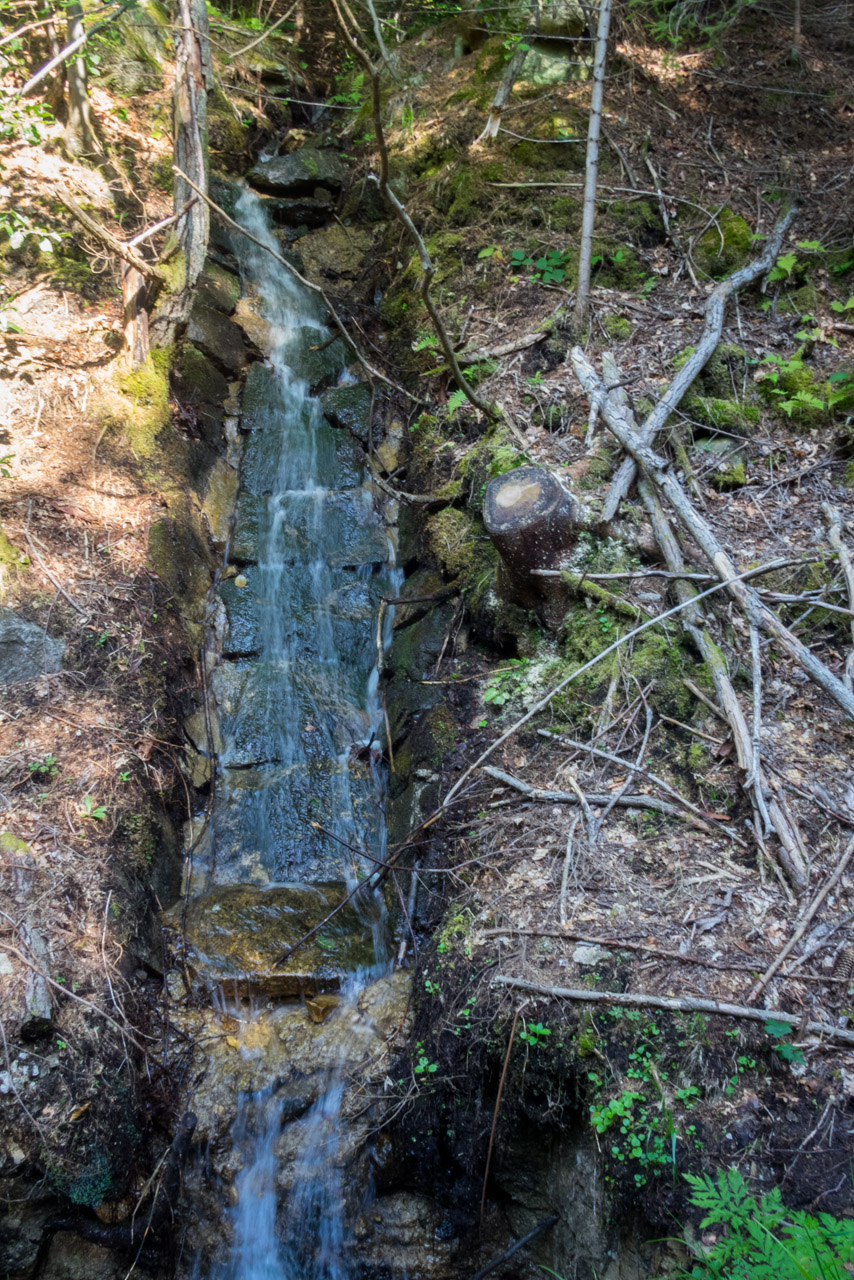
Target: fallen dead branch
[(681, 1004), (120, 248), (639, 801), (698, 528), (805, 921), (767, 813), (709, 339), (835, 538)]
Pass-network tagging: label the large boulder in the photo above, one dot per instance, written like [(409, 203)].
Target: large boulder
[(300, 173), (26, 651), (218, 337)]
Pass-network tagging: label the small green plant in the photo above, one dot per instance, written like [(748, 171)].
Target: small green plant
[(550, 268), (841, 307), (124, 775), (423, 1066), (456, 400), (5, 463), (45, 768), (505, 683), (788, 1052), (89, 809), (534, 1034), (763, 1240)]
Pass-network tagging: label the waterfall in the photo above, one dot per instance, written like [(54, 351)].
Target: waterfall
[(300, 787)]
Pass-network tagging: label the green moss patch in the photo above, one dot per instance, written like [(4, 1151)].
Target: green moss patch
[(726, 246)]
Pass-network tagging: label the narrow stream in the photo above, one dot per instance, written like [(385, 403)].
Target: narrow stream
[(301, 786)]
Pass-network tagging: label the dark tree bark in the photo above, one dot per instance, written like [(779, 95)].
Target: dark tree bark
[(532, 521)]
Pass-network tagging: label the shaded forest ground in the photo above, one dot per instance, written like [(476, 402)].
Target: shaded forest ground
[(729, 133)]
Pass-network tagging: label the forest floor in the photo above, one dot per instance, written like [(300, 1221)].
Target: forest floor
[(670, 905), (610, 900), (87, 754)]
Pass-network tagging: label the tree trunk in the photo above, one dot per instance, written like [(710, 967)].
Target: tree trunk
[(582, 297), (80, 134), (511, 74), (135, 315), (193, 78), (531, 520)]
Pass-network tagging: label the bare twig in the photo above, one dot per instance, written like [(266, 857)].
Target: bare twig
[(802, 927), (545, 796), (564, 878), (515, 1247), (714, 312), (836, 541), (498, 1097), (60, 588), (683, 1004), (696, 525)]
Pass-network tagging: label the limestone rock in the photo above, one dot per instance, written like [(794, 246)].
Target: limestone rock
[(257, 328), (235, 935), (201, 389), (313, 358), (349, 409), (70, 1258), (218, 503), (218, 337), (218, 288), (390, 454), (307, 211), (257, 402), (26, 651), (409, 1235), (335, 251), (300, 173)]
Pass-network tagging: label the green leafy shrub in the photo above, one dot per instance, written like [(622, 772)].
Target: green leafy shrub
[(763, 1240)]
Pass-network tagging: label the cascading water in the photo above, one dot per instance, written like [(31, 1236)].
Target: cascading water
[(300, 786)]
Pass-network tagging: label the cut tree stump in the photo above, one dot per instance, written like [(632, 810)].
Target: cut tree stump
[(532, 521)]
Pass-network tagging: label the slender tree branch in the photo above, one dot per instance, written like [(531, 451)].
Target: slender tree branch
[(701, 531), (683, 1004), (427, 268), (709, 339)]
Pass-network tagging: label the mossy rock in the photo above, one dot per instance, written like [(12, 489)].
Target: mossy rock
[(619, 267), (218, 288), (565, 212), (201, 388), (639, 217), (349, 409), (618, 328), (227, 135), (148, 390), (494, 455), (655, 658), (724, 247), (728, 415), (491, 60), (12, 561)]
